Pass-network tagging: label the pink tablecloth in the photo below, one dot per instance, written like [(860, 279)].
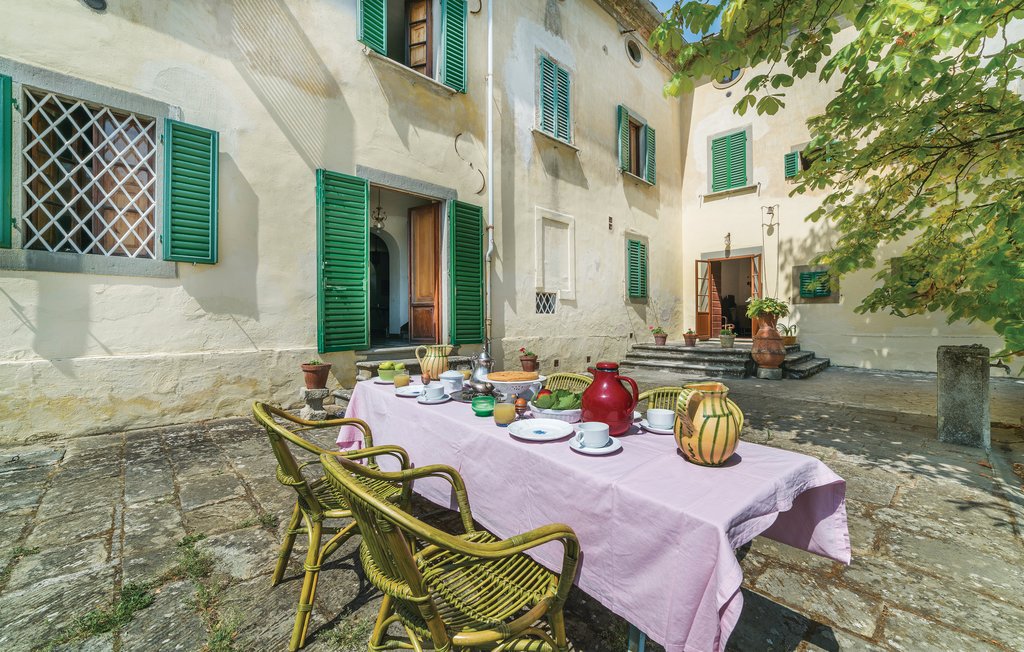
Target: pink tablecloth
[(658, 534)]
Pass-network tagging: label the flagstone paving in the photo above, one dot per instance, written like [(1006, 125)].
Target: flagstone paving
[(935, 528)]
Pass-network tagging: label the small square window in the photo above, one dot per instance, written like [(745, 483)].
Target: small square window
[(546, 303)]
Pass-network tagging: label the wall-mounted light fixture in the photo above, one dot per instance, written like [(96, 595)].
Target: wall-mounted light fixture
[(379, 215)]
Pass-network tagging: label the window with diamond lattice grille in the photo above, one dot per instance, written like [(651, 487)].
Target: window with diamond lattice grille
[(546, 303), (90, 177)]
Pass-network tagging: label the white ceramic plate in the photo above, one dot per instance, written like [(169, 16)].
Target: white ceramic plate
[(613, 446), (433, 401), (381, 381), (540, 429), (409, 391), (658, 431)]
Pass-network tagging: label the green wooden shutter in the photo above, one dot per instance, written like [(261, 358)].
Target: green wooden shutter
[(453, 44), (636, 269), (547, 96), (373, 30), (738, 159), (719, 164), (651, 169), (563, 124), (190, 193), (343, 253), (792, 164), (815, 284), (466, 270), (623, 131), (6, 140)]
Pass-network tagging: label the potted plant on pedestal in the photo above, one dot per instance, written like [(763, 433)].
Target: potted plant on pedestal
[(660, 336), (727, 336), (690, 337), (768, 350), (528, 359), (788, 334), (315, 373)]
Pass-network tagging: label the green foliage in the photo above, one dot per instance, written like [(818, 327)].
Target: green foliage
[(767, 306), (560, 399), (921, 144), (192, 564), (132, 598)]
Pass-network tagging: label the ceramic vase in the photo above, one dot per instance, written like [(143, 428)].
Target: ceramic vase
[(434, 360), (768, 350), (708, 424)]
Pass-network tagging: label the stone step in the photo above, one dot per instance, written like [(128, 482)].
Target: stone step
[(695, 356), (805, 369), (797, 358), (395, 353), (367, 369), (697, 369)]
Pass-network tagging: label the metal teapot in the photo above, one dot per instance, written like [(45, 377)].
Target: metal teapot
[(482, 364)]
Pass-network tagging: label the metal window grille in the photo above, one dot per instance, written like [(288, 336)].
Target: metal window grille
[(546, 303), (90, 178)]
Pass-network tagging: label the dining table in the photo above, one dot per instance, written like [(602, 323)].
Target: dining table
[(658, 534)]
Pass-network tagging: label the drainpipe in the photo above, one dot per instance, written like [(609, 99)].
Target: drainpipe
[(488, 264)]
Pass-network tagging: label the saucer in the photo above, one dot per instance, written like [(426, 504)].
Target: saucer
[(423, 400), (658, 431), (409, 391), (614, 445), (380, 381)]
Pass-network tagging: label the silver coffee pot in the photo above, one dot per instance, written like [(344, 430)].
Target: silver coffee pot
[(482, 365)]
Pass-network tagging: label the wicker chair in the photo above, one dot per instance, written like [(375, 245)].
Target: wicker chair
[(316, 499), (661, 397), (571, 382), (470, 591)]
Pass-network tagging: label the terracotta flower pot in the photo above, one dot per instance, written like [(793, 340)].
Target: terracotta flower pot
[(727, 339), (660, 339), (315, 375), (768, 350), (529, 362), (789, 340), (691, 340)]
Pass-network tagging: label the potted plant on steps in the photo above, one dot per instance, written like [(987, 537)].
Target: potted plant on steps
[(315, 374), (768, 350), (660, 336), (788, 334), (727, 336), (690, 337), (528, 359)]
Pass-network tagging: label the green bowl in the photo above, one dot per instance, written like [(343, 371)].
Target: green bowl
[(483, 406), (386, 374)]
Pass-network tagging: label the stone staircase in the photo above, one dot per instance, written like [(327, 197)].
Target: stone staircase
[(369, 360), (709, 359)]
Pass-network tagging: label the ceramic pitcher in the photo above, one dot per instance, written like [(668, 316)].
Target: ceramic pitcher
[(708, 423), (608, 401), (434, 360)]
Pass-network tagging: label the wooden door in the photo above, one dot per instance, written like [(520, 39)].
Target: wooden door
[(705, 282), (419, 36), (755, 287), (424, 273)]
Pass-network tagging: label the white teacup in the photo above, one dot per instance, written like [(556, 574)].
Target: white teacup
[(661, 419), (592, 434), (433, 391)]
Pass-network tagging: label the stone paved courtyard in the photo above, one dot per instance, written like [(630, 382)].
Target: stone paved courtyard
[(194, 515)]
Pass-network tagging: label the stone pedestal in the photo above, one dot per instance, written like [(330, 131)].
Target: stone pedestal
[(314, 400), (769, 374), (963, 396)]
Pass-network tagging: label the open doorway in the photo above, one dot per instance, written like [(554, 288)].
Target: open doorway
[(724, 286), (405, 268)]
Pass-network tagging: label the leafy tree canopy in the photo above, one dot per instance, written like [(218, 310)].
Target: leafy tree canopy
[(924, 139)]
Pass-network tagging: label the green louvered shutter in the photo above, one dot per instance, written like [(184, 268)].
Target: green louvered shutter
[(190, 193), (373, 25), (792, 164), (651, 169), (563, 123), (453, 44), (343, 252), (815, 284), (547, 96), (738, 159), (636, 272), (6, 139), (623, 131), (720, 164), (466, 269)]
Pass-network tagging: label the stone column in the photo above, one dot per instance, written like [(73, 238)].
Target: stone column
[(314, 400), (963, 400)]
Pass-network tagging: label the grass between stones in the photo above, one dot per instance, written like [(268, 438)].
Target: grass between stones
[(265, 520), (132, 598), (197, 566), (351, 634)]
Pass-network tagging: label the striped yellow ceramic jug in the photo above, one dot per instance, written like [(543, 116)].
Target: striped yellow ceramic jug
[(434, 361), (707, 424)]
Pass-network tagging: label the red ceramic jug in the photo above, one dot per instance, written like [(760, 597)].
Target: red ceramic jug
[(607, 401)]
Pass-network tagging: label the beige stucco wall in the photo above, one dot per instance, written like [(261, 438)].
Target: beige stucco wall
[(584, 185), (290, 89), (874, 341)]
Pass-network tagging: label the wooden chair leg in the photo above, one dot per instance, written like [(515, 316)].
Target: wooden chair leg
[(312, 569), (286, 546)]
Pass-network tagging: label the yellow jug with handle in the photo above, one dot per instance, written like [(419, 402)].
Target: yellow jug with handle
[(708, 424), (434, 360)]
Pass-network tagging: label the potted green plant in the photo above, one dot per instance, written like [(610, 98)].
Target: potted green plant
[(690, 337), (528, 359), (314, 374), (788, 334), (768, 350), (727, 336), (660, 335)]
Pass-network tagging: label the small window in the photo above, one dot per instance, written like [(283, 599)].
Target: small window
[(729, 165), (89, 177), (815, 285), (636, 269), (634, 51), (729, 79), (637, 146), (546, 303), (554, 100)]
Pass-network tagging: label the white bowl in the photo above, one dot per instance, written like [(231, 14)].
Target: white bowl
[(517, 387), (569, 416)]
